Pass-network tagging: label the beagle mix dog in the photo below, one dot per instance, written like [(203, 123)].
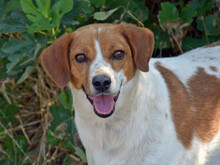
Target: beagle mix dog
[(131, 110)]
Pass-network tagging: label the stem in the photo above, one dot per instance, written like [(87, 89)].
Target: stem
[(204, 26), (139, 22), (125, 10), (4, 93), (44, 33), (15, 142), (173, 36), (53, 33)]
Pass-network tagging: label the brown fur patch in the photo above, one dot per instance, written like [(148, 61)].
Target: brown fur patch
[(205, 91), (180, 104), (83, 42), (197, 111), (55, 60), (141, 42), (213, 68)]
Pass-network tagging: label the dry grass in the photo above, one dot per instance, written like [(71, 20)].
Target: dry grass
[(34, 96)]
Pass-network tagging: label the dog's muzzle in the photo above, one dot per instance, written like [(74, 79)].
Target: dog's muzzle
[(103, 104)]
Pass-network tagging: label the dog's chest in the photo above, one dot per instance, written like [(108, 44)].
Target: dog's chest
[(103, 144), (130, 145)]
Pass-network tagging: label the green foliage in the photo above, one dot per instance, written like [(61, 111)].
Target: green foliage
[(3, 68), (209, 25), (21, 54), (97, 3), (14, 152), (44, 19), (12, 22), (187, 14), (28, 26), (169, 12), (103, 15), (7, 114), (63, 124), (202, 6)]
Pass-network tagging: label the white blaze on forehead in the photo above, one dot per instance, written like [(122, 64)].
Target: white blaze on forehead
[(102, 67), (99, 29), (99, 57), (99, 65)]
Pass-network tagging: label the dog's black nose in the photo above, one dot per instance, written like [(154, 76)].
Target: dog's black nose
[(101, 83)]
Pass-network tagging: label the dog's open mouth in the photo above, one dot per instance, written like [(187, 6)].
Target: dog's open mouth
[(104, 105)]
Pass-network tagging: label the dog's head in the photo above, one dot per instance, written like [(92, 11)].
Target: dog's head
[(97, 59)]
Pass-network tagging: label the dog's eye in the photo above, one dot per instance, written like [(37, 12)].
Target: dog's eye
[(118, 55), (80, 58)]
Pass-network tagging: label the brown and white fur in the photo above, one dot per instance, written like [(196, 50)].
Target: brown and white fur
[(168, 109)]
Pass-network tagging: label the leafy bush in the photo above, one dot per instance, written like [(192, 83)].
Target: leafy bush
[(36, 125)]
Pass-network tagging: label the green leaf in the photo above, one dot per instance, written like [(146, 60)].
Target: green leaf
[(45, 7), (169, 13), (8, 112), (97, 3), (187, 13), (81, 154), (65, 98), (139, 10), (15, 22), (43, 18), (63, 116), (190, 43), (116, 3), (62, 7), (210, 24), (26, 73), (59, 115), (51, 139), (1, 7), (78, 15), (162, 40), (47, 4), (3, 69), (20, 53), (136, 7), (202, 6), (29, 8), (42, 23), (14, 45), (2, 42), (11, 5), (79, 151), (101, 16)]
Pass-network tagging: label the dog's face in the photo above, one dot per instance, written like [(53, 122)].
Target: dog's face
[(98, 59)]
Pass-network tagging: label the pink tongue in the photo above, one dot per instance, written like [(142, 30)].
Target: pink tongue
[(103, 103)]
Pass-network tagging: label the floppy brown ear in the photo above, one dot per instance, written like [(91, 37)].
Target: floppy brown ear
[(141, 41), (55, 60)]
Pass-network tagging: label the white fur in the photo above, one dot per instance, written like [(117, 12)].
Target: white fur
[(138, 132)]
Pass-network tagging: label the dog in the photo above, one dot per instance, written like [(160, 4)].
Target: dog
[(131, 109)]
